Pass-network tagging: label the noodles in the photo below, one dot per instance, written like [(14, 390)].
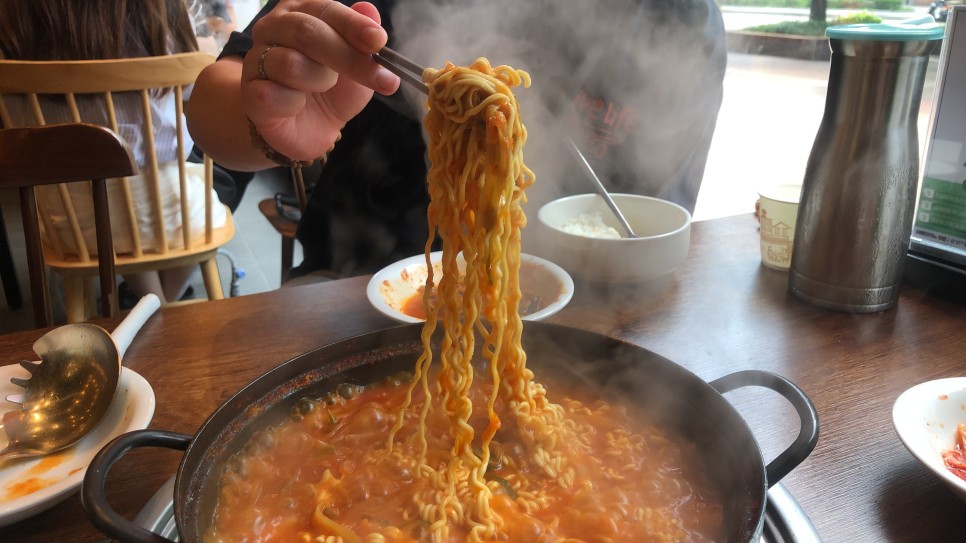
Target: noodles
[(475, 451), (476, 182), (634, 484)]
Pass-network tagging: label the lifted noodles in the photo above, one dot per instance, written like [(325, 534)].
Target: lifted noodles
[(475, 451), (476, 184)]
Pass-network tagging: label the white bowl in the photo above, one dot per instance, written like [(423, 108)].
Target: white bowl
[(664, 230), (392, 287), (925, 417)]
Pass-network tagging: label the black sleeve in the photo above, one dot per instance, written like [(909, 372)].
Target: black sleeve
[(240, 42)]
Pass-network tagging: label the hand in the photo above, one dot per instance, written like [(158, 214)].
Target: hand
[(317, 73)]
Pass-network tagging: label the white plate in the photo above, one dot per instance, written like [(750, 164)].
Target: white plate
[(391, 287), (925, 417), (28, 487)]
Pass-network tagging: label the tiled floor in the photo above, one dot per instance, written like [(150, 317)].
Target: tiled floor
[(771, 110)]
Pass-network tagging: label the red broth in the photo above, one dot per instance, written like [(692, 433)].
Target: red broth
[(330, 454)]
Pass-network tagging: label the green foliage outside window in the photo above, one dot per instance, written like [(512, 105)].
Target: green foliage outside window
[(895, 5), (816, 28), (797, 28)]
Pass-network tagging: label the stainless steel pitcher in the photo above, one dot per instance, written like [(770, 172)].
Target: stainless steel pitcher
[(858, 196)]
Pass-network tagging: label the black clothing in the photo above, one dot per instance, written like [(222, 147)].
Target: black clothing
[(368, 207), (229, 185)]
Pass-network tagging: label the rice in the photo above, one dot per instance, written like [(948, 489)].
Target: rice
[(590, 225)]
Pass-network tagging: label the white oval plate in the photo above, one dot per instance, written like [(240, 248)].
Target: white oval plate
[(28, 487), (925, 417), (392, 286)]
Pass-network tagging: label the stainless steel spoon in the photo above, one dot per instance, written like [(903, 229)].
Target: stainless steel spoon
[(71, 389), (601, 190)]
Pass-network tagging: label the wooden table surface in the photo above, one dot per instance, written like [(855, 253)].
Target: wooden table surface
[(720, 312)]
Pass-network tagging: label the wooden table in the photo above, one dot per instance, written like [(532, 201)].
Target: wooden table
[(720, 312)]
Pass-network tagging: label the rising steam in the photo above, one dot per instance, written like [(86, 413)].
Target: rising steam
[(662, 61)]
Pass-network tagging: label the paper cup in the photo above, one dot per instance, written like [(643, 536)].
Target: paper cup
[(777, 209)]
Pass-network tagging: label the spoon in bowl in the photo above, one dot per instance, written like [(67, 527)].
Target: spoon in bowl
[(601, 190), (71, 389)]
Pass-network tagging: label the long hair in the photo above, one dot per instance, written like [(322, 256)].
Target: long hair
[(93, 29)]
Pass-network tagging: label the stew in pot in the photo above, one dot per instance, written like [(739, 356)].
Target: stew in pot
[(327, 469)]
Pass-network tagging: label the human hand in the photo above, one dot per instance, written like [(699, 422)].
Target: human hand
[(316, 73)]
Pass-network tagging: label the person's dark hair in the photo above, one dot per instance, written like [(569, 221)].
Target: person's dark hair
[(94, 29)]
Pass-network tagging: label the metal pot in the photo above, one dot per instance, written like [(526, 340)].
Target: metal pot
[(679, 400)]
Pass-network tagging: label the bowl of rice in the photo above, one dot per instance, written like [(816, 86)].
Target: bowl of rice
[(582, 235)]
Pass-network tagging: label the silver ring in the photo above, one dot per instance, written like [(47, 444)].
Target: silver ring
[(261, 62)]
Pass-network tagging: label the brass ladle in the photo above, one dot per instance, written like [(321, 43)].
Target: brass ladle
[(68, 392), (71, 389)]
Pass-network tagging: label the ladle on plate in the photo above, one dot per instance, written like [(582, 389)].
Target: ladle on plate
[(411, 73), (71, 389)]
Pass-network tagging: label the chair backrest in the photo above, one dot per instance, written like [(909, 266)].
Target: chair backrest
[(101, 92), (30, 157)]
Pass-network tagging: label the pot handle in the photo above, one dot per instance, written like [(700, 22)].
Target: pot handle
[(94, 498), (807, 436)]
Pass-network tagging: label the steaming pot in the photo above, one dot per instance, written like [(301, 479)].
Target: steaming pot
[(670, 395), (858, 197)]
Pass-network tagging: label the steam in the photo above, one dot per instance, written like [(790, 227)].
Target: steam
[(654, 57)]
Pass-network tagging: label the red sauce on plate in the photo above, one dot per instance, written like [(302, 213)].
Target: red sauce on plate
[(31, 482), (27, 486), (47, 463), (538, 288), (954, 458)]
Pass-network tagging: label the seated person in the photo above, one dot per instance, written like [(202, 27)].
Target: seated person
[(151, 29), (369, 203)]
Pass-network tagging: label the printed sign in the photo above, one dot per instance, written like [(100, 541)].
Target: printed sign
[(940, 226)]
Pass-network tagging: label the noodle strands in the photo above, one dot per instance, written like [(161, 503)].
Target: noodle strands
[(476, 183), (476, 452)]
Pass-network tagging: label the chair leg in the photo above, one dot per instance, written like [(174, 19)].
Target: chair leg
[(212, 279), (8, 274), (91, 289), (74, 299), (288, 254)]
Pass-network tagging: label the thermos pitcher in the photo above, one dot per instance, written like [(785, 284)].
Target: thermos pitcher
[(858, 196)]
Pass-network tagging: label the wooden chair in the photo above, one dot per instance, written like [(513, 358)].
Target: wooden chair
[(285, 226), (30, 157), (137, 80)]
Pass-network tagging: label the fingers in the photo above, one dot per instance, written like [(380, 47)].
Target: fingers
[(359, 25), (368, 10), (293, 70), (310, 70), (315, 40)]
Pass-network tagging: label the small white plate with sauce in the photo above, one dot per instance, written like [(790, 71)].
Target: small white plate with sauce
[(396, 290), (925, 417), (29, 486)]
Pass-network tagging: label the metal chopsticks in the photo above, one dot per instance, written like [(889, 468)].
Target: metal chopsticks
[(407, 70)]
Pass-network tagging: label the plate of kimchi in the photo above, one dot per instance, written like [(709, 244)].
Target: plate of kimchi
[(930, 419)]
